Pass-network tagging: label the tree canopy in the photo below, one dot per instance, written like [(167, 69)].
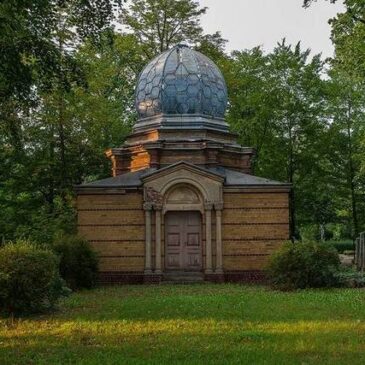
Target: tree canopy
[(67, 78)]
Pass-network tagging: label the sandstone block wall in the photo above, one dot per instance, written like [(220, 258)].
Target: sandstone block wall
[(254, 226), (114, 225)]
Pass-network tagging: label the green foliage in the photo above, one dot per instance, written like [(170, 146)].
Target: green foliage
[(45, 146), (29, 53), (278, 105), (347, 76), (310, 233), (25, 217), (29, 278), (341, 246), (78, 262), (348, 131), (67, 94), (85, 106), (304, 265), (159, 24), (348, 30), (40, 168), (350, 278), (307, 130), (313, 232), (213, 46), (309, 2)]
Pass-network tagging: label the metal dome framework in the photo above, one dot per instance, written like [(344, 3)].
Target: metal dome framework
[(181, 81)]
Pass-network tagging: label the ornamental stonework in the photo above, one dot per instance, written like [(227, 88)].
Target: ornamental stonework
[(153, 196)]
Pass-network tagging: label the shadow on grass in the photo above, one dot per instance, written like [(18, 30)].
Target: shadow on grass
[(221, 302), (217, 324), (184, 341)]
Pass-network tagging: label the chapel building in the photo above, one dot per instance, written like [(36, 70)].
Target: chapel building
[(182, 204)]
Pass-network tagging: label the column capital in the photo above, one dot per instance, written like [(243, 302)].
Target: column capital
[(208, 206), (157, 206), (218, 206), (147, 206)]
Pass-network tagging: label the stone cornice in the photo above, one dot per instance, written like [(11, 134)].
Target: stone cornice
[(258, 189), (81, 190)]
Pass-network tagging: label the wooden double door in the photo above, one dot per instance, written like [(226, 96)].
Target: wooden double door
[(183, 247)]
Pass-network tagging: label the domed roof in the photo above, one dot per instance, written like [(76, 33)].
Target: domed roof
[(181, 81)]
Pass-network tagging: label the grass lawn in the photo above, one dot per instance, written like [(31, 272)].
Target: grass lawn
[(201, 324)]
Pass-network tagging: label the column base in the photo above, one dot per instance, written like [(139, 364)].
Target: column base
[(214, 278), (152, 278)]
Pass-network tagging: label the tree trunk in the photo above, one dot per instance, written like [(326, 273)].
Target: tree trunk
[(322, 231), (61, 134), (61, 121), (292, 221), (351, 176), (51, 182)]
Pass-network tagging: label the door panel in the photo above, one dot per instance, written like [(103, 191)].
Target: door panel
[(192, 254), (183, 241), (193, 239), (173, 239), (174, 261)]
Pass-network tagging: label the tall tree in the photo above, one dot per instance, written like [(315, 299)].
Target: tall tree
[(277, 106), (252, 99), (159, 24), (348, 105), (38, 40), (28, 52), (348, 129)]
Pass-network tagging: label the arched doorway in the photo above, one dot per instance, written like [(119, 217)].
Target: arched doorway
[(183, 241), (183, 228), (183, 188)]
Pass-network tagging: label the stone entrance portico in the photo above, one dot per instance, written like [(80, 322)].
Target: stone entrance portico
[(183, 187)]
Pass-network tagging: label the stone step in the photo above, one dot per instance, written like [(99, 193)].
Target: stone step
[(183, 277), (183, 282)]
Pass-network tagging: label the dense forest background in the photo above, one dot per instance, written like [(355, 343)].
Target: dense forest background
[(67, 79)]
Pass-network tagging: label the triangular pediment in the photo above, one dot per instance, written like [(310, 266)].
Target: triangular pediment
[(183, 174), (181, 166)]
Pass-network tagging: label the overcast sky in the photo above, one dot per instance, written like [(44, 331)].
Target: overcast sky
[(249, 23)]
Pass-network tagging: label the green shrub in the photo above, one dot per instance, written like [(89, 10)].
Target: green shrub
[(341, 247), (78, 261), (350, 278), (29, 278), (304, 265)]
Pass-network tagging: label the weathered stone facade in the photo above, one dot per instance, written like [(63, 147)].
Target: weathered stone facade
[(182, 198)]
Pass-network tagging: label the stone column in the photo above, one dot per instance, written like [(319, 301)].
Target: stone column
[(148, 244), (158, 209), (219, 247), (208, 238)]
